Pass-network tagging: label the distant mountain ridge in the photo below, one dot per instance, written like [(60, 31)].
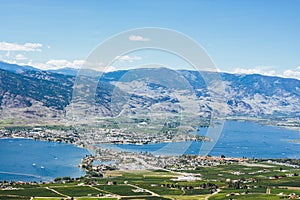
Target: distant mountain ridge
[(16, 68), (26, 91), (52, 90)]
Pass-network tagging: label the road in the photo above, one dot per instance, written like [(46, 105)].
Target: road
[(207, 197)]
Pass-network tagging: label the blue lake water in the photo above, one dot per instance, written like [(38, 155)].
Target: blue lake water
[(237, 139), (31, 160)]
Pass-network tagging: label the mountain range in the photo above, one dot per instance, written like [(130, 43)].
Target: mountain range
[(30, 93)]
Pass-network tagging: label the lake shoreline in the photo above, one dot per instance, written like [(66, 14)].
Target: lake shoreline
[(34, 160), (272, 143)]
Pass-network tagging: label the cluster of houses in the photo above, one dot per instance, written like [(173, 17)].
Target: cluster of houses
[(42, 134)]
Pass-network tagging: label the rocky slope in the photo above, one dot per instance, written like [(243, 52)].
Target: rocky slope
[(36, 94)]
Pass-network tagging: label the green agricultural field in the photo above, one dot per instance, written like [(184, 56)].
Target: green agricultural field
[(77, 191), (285, 191), (246, 197), (14, 198), (187, 197), (45, 198), (29, 192), (145, 198), (59, 184), (93, 198), (83, 198), (291, 182), (123, 190), (252, 184)]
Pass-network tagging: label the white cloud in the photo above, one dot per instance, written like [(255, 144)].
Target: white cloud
[(128, 58), (256, 70), (6, 46), (33, 46), (292, 73), (138, 38), (289, 73), (109, 69), (78, 63), (58, 64), (20, 57)]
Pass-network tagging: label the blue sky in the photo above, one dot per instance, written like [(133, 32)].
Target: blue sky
[(242, 36)]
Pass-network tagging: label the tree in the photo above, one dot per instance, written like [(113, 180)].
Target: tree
[(57, 179)]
